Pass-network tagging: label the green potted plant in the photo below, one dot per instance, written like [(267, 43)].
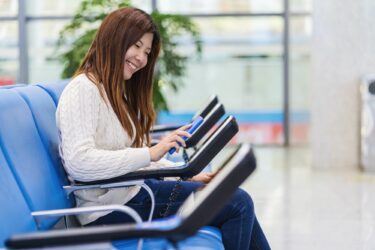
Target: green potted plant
[(76, 37)]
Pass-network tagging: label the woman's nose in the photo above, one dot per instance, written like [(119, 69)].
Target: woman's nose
[(140, 57)]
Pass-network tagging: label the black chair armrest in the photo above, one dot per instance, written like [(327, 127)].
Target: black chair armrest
[(213, 101), (209, 121), (76, 236)]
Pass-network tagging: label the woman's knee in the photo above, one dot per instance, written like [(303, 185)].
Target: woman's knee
[(244, 200)]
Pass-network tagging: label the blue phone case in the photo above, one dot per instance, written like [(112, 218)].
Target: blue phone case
[(195, 124)]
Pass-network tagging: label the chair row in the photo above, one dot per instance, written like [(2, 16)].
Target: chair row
[(33, 179)]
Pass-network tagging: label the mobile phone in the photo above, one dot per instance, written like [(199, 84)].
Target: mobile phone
[(194, 125)]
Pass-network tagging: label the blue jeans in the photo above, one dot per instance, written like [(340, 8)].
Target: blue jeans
[(237, 221)]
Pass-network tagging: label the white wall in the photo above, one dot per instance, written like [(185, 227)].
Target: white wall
[(343, 49)]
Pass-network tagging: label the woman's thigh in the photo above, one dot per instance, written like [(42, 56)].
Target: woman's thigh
[(169, 196)]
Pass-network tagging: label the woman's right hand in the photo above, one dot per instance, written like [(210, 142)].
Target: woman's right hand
[(173, 139)]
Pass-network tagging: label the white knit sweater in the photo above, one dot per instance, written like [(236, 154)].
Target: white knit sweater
[(95, 146)]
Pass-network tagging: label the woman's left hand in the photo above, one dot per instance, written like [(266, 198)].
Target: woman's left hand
[(205, 177)]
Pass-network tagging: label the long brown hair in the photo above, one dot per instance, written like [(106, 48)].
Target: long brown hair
[(104, 64)]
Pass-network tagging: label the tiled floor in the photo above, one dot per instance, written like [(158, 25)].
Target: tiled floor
[(304, 208)]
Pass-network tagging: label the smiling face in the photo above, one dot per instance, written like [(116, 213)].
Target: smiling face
[(136, 56)]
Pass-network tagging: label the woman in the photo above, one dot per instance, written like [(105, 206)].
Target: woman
[(104, 117)]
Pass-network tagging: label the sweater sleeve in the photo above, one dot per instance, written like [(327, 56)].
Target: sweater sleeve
[(77, 118)]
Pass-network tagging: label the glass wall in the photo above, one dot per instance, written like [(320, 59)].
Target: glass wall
[(8, 52), (300, 78), (42, 37), (51, 8), (8, 8), (241, 62), (219, 6)]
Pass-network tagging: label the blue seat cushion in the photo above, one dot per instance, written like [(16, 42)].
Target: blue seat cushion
[(43, 110), (55, 89), (15, 214), (206, 238), (27, 157)]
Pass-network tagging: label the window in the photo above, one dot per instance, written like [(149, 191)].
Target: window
[(242, 60)]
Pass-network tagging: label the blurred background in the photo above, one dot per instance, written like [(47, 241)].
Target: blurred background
[(242, 61)]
